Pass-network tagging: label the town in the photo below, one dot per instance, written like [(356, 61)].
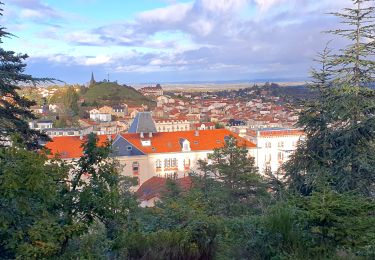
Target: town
[(266, 123)]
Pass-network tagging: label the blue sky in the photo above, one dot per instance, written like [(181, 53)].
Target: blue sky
[(151, 41)]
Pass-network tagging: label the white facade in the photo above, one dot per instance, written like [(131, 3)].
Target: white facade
[(172, 125), (40, 125), (96, 115), (274, 147), (166, 165)]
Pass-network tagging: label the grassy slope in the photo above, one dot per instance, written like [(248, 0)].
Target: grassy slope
[(112, 93)]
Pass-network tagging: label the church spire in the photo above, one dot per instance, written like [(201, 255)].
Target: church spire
[(92, 81)]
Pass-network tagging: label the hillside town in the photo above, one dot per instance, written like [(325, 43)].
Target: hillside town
[(168, 139)]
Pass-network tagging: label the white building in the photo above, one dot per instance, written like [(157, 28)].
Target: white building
[(274, 146), (41, 124), (99, 116), (145, 153), (172, 125)]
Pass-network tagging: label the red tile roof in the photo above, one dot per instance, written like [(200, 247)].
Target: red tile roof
[(169, 142), (67, 147), (166, 142), (155, 186)]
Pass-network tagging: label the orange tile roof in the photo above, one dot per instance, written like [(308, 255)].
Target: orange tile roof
[(67, 147), (167, 142), (155, 186)]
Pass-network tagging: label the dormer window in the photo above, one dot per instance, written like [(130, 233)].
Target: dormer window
[(146, 142), (185, 145)]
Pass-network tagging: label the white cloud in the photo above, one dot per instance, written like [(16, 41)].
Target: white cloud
[(172, 13), (264, 5), (202, 27), (98, 60), (31, 14), (222, 6)]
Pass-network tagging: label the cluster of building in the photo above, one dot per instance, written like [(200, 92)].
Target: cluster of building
[(168, 141), (147, 154)]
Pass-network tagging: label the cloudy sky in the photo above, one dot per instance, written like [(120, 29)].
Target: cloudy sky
[(150, 41)]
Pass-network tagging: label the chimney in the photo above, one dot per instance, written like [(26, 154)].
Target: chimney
[(109, 137), (150, 135), (142, 135), (196, 133)]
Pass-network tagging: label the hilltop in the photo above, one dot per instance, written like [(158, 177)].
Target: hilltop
[(110, 93)]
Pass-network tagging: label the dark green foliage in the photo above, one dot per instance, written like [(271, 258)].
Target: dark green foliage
[(30, 204), (14, 109), (70, 101), (232, 173), (340, 124), (47, 205), (97, 192)]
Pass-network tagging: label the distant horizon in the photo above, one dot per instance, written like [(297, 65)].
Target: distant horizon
[(197, 83)]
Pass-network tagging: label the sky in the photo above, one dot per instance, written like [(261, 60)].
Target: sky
[(160, 41)]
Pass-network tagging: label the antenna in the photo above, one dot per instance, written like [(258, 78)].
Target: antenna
[(108, 77)]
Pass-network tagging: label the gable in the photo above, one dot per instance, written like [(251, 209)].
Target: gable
[(122, 147)]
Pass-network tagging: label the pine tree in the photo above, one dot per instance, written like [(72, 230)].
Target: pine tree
[(14, 109), (232, 177), (340, 125)]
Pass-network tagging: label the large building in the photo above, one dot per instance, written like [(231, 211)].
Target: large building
[(145, 153), (275, 145), (172, 125), (156, 91)]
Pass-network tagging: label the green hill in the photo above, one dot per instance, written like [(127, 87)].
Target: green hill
[(110, 93)]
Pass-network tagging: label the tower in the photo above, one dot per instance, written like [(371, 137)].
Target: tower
[(92, 81)]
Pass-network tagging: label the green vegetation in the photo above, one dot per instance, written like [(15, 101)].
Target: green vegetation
[(41, 212), (326, 209), (111, 93)]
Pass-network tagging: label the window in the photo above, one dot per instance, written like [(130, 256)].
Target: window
[(280, 156), (280, 144), (135, 166), (267, 158), (167, 163), (170, 163), (186, 162), (174, 162), (268, 145), (129, 148), (158, 164)]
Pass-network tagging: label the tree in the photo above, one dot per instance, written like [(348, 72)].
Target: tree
[(70, 100), (97, 193), (340, 123), (30, 204), (230, 181), (14, 109)]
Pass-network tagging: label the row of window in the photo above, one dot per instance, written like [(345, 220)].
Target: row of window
[(280, 157), (182, 128), (279, 144), (171, 163), (168, 163)]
